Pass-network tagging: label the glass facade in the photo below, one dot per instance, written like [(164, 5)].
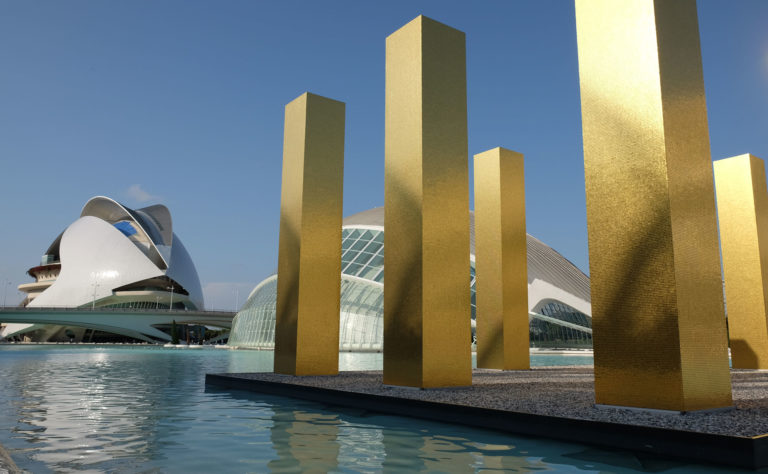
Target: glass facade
[(362, 300), (557, 325), (362, 254), (254, 324)]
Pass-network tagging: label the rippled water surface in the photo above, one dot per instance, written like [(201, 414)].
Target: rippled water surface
[(146, 409)]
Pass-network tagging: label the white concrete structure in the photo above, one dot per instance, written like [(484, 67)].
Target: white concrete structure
[(113, 257)]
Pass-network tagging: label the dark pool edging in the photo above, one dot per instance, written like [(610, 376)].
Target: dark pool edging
[(740, 451)]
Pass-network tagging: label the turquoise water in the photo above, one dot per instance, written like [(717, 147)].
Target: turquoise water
[(146, 409)]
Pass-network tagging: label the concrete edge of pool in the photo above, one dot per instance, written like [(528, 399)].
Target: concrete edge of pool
[(450, 406)]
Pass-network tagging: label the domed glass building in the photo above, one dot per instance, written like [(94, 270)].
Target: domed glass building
[(558, 294)]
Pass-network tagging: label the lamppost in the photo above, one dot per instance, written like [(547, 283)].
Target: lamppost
[(95, 286), (170, 306), (157, 302), (5, 290)]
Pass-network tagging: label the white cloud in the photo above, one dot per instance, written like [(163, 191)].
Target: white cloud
[(226, 296), (137, 193)]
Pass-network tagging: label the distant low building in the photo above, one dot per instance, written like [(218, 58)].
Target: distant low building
[(558, 294), (111, 257)]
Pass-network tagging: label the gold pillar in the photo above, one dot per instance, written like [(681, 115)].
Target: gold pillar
[(501, 261), (309, 259), (658, 321), (742, 205), (426, 292)]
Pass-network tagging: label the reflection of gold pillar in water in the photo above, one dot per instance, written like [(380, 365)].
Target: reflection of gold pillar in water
[(510, 458), (501, 261), (305, 442), (742, 208), (441, 451), (658, 320), (402, 450), (309, 259), (427, 333)]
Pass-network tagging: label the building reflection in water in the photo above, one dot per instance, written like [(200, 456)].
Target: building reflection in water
[(307, 441)]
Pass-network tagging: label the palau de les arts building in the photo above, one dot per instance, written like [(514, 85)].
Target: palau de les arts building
[(111, 257), (558, 294)]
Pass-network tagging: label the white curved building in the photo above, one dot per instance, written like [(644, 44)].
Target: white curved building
[(558, 294), (113, 257)]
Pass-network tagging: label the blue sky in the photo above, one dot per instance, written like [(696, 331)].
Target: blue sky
[(181, 103)]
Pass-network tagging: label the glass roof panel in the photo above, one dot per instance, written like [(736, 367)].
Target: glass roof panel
[(363, 257), (368, 272), (367, 235), (373, 247), (352, 268), (377, 261)]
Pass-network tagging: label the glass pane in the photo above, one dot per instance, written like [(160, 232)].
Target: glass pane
[(369, 272), (352, 268), (363, 257), (373, 247), (359, 244), (367, 235), (348, 256), (377, 261)]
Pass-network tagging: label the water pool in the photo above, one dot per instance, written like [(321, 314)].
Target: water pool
[(146, 409)]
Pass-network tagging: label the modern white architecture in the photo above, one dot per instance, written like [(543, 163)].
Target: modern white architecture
[(111, 257)]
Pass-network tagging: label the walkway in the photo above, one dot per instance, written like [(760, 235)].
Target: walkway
[(136, 323)]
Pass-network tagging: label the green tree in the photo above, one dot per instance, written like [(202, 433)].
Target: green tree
[(174, 333)]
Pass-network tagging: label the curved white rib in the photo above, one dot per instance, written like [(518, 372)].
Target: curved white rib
[(112, 211)]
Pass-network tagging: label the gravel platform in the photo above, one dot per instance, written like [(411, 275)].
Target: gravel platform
[(566, 392)]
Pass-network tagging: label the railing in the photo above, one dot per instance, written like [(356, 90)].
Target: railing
[(69, 309)]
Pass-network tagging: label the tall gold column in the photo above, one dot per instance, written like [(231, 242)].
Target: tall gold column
[(309, 259), (658, 321), (427, 332), (501, 261), (742, 205)]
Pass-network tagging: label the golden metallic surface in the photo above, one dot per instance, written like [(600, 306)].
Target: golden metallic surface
[(427, 332), (742, 208), (501, 262), (309, 259), (658, 320)]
